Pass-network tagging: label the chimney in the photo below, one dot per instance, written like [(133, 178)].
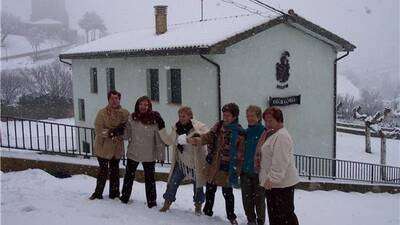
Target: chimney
[(160, 12)]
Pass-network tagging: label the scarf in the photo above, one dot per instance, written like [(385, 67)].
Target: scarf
[(235, 129), (183, 129), (253, 134)]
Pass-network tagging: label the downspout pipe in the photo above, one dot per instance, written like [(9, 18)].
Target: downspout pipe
[(218, 83), (334, 108), (65, 62)]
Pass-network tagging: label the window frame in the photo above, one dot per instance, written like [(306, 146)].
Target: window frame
[(153, 89), (81, 109), (173, 96), (94, 87), (110, 71)]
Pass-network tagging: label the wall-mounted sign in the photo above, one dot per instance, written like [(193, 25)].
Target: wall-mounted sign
[(282, 71), (283, 101)]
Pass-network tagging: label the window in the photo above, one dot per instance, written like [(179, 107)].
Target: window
[(153, 84), (110, 72), (174, 86), (81, 109), (93, 80)]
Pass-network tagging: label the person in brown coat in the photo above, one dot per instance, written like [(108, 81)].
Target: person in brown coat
[(225, 152), (109, 146)]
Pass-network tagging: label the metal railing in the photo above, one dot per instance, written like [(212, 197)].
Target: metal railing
[(336, 169), (70, 140), (48, 137)]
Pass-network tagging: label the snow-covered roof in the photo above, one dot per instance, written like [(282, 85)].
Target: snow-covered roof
[(201, 37)]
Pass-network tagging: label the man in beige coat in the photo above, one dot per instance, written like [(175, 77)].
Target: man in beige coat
[(109, 147), (188, 161)]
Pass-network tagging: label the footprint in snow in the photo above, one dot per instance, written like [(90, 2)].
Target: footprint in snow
[(28, 209)]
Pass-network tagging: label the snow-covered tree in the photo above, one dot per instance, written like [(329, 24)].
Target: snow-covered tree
[(92, 24), (371, 101), (345, 107), (370, 122), (373, 123)]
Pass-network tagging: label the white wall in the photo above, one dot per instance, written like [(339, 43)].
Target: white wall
[(199, 85), (248, 77)]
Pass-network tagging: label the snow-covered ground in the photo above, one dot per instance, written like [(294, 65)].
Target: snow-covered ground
[(37, 198), (352, 147), (24, 62), (17, 44)]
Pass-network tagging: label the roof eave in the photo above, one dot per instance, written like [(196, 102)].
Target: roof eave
[(144, 53), (249, 33), (340, 43), (330, 38)]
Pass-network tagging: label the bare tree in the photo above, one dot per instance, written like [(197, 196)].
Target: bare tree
[(12, 86), (370, 123), (394, 133), (53, 80), (10, 24), (35, 37)]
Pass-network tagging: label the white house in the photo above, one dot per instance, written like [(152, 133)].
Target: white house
[(205, 64)]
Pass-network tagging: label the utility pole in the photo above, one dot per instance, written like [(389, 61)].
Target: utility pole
[(202, 10)]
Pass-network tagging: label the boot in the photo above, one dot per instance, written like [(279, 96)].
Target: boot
[(114, 195), (233, 222), (166, 206), (123, 199), (95, 196), (197, 209), (151, 204)]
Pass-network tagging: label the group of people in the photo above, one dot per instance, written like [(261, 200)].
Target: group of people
[(258, 159)]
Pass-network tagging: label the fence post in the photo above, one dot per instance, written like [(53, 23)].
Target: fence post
[(367, 138), (383, 155), (372, 173), (334, 169), (309, 167), (47, 143)]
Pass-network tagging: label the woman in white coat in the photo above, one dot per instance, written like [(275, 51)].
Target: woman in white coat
[(278, 174), (187, 160)]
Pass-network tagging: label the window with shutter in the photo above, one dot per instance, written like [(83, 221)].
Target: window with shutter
[(81, 109), (153, 90), (174, 86), (93, 80), (110, 79)]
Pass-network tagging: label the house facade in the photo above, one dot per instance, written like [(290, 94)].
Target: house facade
[(285, 61)]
